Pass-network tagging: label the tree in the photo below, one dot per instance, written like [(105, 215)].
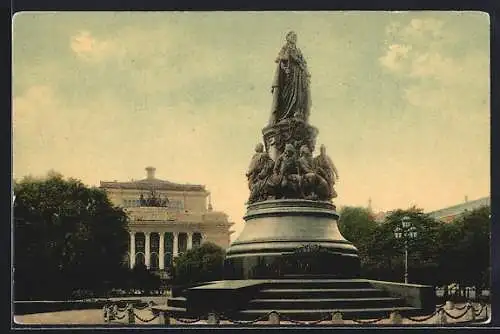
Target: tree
[(357, 225), (66, 237), (200, 264), (385, 252), (472, 247)]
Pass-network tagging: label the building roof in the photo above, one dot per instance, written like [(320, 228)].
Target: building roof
[(459, 208), (152, 183), (148, 184)]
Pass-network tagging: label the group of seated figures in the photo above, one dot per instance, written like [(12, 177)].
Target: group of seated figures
[(292, 175)]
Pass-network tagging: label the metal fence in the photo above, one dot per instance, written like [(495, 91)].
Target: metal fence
[(467, 314)]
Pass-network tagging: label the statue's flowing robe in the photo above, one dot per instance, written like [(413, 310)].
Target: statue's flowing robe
[(291, 95)]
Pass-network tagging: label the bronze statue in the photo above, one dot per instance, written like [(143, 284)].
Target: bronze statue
[(290, 89), (290, 140), (326, 169), (287, 169), (305, 161), (255, 165), (313, 186), (264, 184)]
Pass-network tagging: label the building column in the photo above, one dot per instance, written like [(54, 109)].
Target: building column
[(147, 250), (175, 250), (189, 240), (161, 256), (132, 249)]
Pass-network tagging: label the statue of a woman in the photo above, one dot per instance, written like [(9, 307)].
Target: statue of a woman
[(291, 93)]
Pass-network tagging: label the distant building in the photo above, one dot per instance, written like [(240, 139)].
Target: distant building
[(379, 217), (449, 213), (445, 214), (166, 219)]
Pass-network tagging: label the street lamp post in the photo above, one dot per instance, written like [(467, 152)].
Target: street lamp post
[(405, 232)]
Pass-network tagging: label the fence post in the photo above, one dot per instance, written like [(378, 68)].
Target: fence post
[(472, 314), (395, 318), (213, 319), (449, 305), (274, 318), (337, 318), (441, 317), (105, 313), (131, 316), (112, 312), (163, 318)]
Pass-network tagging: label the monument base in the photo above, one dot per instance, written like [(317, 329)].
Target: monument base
[(291, 238), (291, 258), (301, 299)]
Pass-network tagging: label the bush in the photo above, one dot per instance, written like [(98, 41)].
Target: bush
[(201, 264)]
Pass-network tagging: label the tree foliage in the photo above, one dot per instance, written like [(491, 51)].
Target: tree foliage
[(200, 264), (66, 236), (442, 253), (467, 251), (358, 226)]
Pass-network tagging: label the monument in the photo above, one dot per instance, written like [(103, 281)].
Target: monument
[(291, 223), (290, 256)]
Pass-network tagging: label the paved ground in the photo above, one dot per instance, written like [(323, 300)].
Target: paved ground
[(95, 317)]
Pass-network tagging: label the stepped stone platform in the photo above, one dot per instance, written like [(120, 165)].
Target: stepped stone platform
[(302, 299)]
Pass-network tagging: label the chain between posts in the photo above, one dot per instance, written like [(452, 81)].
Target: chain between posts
[(285, 318), (145, 306), (372, 321), (144, 320), (466, 306), (187, 321), (121, 309), (425, 318), (238, 322), (117, 317), (455, 317), (111, 313), (480, 310)]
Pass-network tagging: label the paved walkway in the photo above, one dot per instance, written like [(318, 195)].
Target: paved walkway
[(95, 317)]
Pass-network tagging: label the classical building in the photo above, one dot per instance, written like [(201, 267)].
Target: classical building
[(166, 219), (449, 213)]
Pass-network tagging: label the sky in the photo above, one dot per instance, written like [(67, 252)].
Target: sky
[(400, 99)]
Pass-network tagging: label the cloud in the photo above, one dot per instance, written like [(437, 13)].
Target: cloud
[(89, 48), (436, 78), (395, 57)]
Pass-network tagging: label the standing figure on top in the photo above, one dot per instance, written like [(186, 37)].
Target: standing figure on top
[(290, 89)]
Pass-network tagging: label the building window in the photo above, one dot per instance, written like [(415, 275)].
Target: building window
[(182, 242), (196, 239), (140, 242), (139, 259), (154, 265), (176, 204)]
